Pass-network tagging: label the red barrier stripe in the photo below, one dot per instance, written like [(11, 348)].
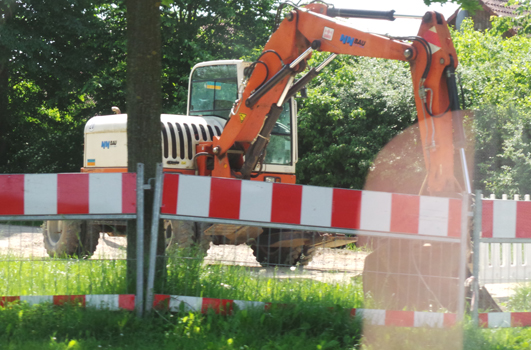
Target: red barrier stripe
[(11, 194), (286, 204), (225, 197), (449, 320), (523, 219), (346, 208), (169, 194), (454, 218), (126, 302), (520, 319), (69, 299), (405, 211), (161, 302), (128, 193), (399, 318), (5, 300), (487, 219), (72, 193), (220, 306)]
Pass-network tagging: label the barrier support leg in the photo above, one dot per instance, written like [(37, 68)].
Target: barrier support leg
[(478, 210), (157, 202), (463, 256), (139, 297)]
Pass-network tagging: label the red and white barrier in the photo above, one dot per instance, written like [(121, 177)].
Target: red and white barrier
[(320, 207), (63, 194), (506, 219), (102, 301), (504, 319), (176, 303), (372, 317)]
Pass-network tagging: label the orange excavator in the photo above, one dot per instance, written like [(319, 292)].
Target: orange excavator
[(270, 81)]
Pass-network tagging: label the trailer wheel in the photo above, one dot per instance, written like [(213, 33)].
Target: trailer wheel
[(69, 238), (286, 256), (187, 234)]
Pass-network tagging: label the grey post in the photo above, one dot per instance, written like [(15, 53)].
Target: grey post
[(139, 298), (476, 242), (157, 201)]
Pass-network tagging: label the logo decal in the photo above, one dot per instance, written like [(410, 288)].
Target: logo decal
[(108, 144), (91, 162), (242, 117), (328, 33), (345, 39)]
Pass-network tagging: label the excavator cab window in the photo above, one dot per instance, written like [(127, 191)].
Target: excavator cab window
[(279, 148), (213, 90)]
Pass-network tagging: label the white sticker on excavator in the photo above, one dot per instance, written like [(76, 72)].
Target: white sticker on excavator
[(328, 33)]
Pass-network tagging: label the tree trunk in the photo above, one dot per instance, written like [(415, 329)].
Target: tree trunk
[(143, 125)]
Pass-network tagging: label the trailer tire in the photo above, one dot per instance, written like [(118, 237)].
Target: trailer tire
[(69, 238), (186, 235), (286, 256)]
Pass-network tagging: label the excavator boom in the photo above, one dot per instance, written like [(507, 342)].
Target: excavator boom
[(431, 56)]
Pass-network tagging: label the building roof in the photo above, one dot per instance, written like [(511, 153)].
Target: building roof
[(498, 8)]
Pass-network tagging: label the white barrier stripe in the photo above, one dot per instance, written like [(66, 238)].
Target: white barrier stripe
[(37, 299), (316, 208), (103, 301), (428, 319), (244, 305), (375, 211), (40, 194), (189, 303), (105, 193), (433, 216), (194, 196), (504, 219), (499, 319), (373, 317), (256, 201)]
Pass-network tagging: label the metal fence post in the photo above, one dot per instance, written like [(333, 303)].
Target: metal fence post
[(157, 202), (478, 210), (463, 256), (139, 298)]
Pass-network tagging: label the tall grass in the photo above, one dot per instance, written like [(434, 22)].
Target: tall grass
[(188, 276), (22, 276), (185, 276)]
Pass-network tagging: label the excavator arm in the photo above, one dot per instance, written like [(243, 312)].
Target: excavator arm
[(270, 81)]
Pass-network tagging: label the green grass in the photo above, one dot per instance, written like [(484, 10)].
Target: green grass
[(22, 276), (317, 316), (185, 276), (521, 299), (48, 327), (299, 327), (191, 277)]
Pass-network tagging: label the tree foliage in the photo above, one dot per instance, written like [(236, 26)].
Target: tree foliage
[(496, 82), (64, 62), (353, 110)]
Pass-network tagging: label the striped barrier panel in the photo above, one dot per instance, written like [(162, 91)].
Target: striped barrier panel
[(102, 301), (506, 219), (320, 208), (174, 303), (67, 194), (374, 317)]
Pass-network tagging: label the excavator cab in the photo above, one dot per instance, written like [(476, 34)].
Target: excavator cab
[(213, 88)]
